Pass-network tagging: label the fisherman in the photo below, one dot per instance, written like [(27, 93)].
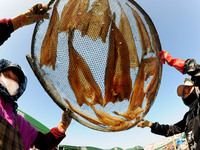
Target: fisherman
[(16, 132), (190, 94)]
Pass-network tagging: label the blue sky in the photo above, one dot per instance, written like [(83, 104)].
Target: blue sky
[(177, 23)]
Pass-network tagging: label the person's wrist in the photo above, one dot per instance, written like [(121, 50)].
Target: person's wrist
[(63, 126), (24, 19), (16, 22), (150, 124), (60, 130)]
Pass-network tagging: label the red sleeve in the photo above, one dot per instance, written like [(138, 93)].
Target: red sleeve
[(50, 140), (6, 28)]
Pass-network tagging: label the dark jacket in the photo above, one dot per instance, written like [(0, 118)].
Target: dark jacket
[(190, 124)]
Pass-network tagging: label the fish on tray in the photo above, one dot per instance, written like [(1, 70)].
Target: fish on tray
[(122, 126), (81, 79), (151, 68), (144, 36), (125, 28), (49, 45), (130, 115), (97, 21), (87, 117), (137, 95), (118, 83), (106, 118), (73, 14)]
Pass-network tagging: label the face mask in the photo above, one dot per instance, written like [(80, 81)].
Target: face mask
[(191, 98), (11, 85)]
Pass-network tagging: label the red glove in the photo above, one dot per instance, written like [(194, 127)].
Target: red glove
[(176, 62)]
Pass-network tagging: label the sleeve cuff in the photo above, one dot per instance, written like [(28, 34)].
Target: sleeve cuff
[(11, 28), (57, 133)]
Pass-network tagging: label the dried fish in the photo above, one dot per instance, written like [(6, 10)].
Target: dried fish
[(135, 122), (144, 37), (130, 115), (118, 82), (73, 15), (49, 45), (106, 118), (87, 117), (120, 127), (151, 66), (81, 79), (97, 21), (151, 88), (154, 36), (150, 92), (137, 96), (138, 89), (125, 28), (154, 41)]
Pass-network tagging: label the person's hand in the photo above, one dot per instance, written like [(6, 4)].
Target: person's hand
[(144, 123), (34, 14), (176, 62), (65, 120), (164, 56)]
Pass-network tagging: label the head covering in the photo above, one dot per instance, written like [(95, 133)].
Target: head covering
[(4, 65), (16, 69), (187, 82)]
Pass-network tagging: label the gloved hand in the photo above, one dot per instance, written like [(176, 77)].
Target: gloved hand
[(34, 14), (177, 63), (65, 120), (144, 123)]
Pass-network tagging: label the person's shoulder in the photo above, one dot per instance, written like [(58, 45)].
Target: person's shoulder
[(24, 124), (22, 120)]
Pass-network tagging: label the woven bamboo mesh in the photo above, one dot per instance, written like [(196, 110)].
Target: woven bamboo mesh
[(100, 58)]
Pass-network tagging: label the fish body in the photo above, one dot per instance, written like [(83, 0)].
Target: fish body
[(137, 96), (49, 46), (106, 118), (144, 36), (87, 117), (118, 83), (120, 127), (151, 88), (125, 28), (130, 115), (81, 79), (151, 66), (96, 22), (73, 14)]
